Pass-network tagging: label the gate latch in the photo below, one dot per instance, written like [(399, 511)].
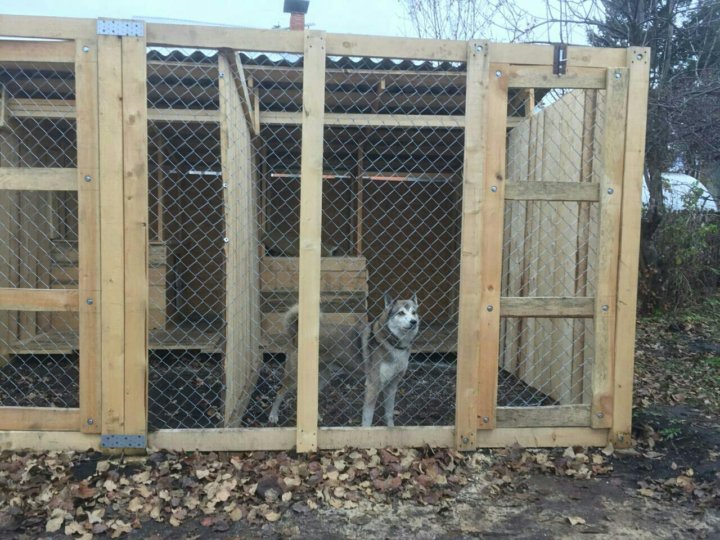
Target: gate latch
[(560, 59)]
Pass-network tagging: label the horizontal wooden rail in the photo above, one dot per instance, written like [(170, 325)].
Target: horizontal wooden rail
[(47, 440), (38, 299), (24, 26), (39, 418), (552, 191), (553, 416), (37, 51), (542, 77), (546, 306), (245, 439), (38, 179)]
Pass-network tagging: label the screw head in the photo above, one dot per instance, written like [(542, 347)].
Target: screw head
[(638, 56), (498, 73), (89, 301), (465, 440), (486, 419), (86, 49), (605, 307), (493, 189), (621, 437), (226, 240), (90, 421), (478, 47), (221, 74), (490, 307), (618, 74), (88, 178), (611, 191), (225, 185), (600, 414)]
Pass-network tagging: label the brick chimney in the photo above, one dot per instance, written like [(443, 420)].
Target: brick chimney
[(297, 10)]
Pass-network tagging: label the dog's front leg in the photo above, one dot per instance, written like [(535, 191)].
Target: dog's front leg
[(371, 395), (389, 402), (287, 384)]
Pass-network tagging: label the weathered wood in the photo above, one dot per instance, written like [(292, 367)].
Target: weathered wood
[(38, 179), (638, 61), (377, 120), (87, 182), (552, 191), (219, 440), (476, 140), (546, 307), (32, 300), (611, 184), (492, 203), (554, 416), (310, 240), (542, 77), (135, 180), (47, 27), (39, 419), (112, 247), (37, 51), (48, 440)]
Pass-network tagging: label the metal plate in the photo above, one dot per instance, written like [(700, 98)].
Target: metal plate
[(120, 27), (123, 441)]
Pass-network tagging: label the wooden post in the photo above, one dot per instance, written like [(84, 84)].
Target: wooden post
[(135, 164), (613, 153), (112, 248), (638, 62), (88, 185), (492, 212), (468, 355), (310, 240)]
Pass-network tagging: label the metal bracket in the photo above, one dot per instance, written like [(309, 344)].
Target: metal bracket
[(123, 441), (560, 59), (120, 27)]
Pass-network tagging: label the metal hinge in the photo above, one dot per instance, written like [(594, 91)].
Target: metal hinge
[(120, 27), (123, 441), (560, 59)]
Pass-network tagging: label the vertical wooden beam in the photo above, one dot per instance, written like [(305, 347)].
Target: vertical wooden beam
[(611, 184), (638, 62), (310, 239), (86, 91), (468, 355), (135, 164), (492, 212), (9, 157), (112, 248)]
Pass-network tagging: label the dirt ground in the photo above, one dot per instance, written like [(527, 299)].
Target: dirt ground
[(666, 486)]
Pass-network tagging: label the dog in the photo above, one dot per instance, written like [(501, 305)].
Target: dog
[(381, 347)]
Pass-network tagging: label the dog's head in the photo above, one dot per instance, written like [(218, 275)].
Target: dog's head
[(402, 315)]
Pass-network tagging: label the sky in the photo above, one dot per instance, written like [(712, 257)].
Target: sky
[(379, 17)]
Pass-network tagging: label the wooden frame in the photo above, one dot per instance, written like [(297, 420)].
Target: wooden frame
[(112, 295)]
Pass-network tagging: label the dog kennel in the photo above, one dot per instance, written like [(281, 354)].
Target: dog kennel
[(167, 192)]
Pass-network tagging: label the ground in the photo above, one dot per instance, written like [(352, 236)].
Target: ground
[(666, 486)]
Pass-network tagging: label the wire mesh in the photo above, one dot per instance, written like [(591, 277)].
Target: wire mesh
[(38, 236), (550, 247)]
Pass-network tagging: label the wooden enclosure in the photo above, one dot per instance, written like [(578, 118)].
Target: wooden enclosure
[(167, 192)]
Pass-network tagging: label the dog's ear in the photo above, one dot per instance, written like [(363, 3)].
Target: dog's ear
[(414, 299), (389, 301)]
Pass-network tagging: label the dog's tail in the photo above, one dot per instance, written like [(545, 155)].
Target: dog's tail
[(290, 322)]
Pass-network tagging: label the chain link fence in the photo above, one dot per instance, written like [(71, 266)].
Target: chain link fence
[(39, 238)]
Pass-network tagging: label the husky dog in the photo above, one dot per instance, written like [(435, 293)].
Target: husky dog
[(382, 347)]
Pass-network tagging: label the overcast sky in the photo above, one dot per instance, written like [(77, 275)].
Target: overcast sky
[(384, 17)]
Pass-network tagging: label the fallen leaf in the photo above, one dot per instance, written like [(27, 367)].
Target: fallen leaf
[(576, 520)]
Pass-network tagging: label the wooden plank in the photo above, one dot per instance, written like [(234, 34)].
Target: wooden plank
[(112, 250), (219, 37), (37, 51), (242, 357), (47, 27), (552, 191), (135, 180), (377, 120), (235, 68), (310, 240), (396, 47), (18, 299), (542, 55), (468, 368), (553, 417), (381, 437), (48, 440), (492, 207), (219, 440), (638, 61), (38, 179), (546, 307), (39, 419), (550, 437), (542, 77), (613, 154), (88, 270)]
